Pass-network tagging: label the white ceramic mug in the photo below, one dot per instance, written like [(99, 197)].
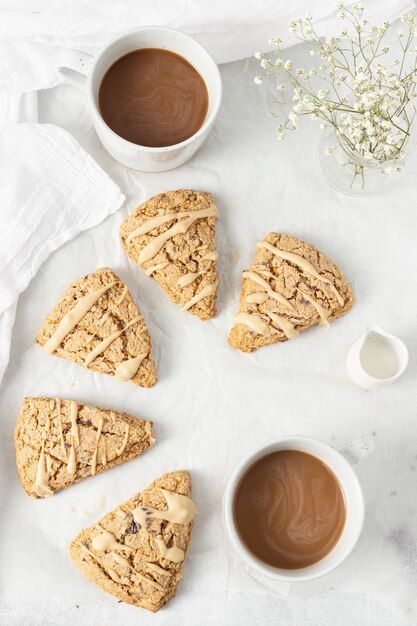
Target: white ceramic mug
[(354, 501), (92, 70)]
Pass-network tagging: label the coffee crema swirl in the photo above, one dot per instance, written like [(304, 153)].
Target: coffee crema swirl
[(153, 97), (289, 509)]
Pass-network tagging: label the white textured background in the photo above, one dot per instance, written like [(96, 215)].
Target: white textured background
[(212, 405)]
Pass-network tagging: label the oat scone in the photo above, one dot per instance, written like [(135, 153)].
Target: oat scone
[(60, 442), (136, 552), (173, 237), (97, 324), (290, 286)]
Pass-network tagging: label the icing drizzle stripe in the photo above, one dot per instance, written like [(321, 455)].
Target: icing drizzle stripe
[(74, 315), (305, 265), (159, 220), (272, 294), (253, 321)]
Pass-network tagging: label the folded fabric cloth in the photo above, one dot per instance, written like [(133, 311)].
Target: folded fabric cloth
[(230, 30), (33, 46), (50, 191)]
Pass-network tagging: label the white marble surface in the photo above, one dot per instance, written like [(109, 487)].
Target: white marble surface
[(212, 405)]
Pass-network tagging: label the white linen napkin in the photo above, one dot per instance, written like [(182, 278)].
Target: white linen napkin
[(34, 45), (50, 190)]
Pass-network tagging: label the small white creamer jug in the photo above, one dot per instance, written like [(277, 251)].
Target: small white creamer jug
[(377, 358)]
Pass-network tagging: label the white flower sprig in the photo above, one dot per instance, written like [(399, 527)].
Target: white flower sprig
[(355, 87)]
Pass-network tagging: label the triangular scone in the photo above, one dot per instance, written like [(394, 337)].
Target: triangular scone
[(173, 237), (136, 552), (59, 442), (97, 324), (290, 286)]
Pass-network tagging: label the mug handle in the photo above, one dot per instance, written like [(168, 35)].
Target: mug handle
[(75, 67)]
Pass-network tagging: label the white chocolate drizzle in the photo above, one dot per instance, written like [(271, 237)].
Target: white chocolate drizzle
[(107, 542), (48, 463), (75, 315), (61, 434), (159, 220), (283, 324), (148, 431), (42, 476), (257, 298), (265, 273), (105, 343), (156, 268), (75, 438), (174, 554), (122, 297), (316, 305), (207, 291), (72, 460), (158, 570), (188, 279), (271, 293), (121, 560), (73, 417), (128, 368), (124, 442), (252, 321), (155, 245), (152, 583), (111, 572), (305, 265), (181, 510), (98, 435), (101, 323)]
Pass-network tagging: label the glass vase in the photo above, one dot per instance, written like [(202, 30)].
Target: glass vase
[(347, 171)]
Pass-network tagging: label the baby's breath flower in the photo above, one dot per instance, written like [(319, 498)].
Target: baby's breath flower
[(369, 103)]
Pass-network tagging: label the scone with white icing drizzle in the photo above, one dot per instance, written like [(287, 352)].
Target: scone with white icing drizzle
[(173, 237), (136, 552), (290, 286), (60, 442), (97, 324)]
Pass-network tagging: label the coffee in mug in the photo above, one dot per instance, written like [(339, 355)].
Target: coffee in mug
[(153, 97), (289, 509)]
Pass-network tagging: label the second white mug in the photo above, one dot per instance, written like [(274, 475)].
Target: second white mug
[(354, 502)]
